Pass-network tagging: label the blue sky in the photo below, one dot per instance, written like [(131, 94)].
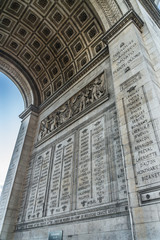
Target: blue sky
[(11, 105)]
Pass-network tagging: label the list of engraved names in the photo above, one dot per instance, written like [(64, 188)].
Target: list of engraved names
[(144, 146)]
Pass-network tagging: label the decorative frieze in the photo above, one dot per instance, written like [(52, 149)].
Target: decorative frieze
[(89, 95)]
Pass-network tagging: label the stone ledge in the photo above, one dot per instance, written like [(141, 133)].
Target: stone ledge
[(28, 110), (109, 210), (130, 16)]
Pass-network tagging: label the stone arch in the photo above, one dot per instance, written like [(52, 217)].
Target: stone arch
[(99, 11), (21, 80), (110, 9), (52, 41)]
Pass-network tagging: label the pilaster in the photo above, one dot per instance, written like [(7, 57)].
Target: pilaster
[(139, 122), (13, 185)]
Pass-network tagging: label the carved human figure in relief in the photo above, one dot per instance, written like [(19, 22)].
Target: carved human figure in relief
[(48, 124), (102, 85), (45, 127), (73, 106), (83, 97), (55, 121), (97, 89), (69, 110), (72, 102), (62, 111), (66, 111), (43, 130), (94, 90)]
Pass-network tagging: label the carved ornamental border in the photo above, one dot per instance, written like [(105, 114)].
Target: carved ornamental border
[(111, 10), (85, 100)]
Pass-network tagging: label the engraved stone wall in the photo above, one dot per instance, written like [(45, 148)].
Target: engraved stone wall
[(79, 172), (38, 186), (11, 194), (137, 101), (12, 172), (61, 182), (141, 132), (92, 187), (75, 180)]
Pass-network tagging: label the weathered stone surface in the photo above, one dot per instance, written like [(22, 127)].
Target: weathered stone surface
[(86, 161)]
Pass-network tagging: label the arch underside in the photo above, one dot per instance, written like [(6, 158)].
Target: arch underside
[(50, 42)]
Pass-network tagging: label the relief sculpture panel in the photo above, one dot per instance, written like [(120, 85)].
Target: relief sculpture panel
[(82, 100)]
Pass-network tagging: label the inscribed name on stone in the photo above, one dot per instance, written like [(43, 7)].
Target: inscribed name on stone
[(92, 186), (83, 171), (100, 168), (126, 53), (60, 192), (116, 169), (38, 186), (141, 131)]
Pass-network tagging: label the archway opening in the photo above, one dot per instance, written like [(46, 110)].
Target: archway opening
[(11, 105)]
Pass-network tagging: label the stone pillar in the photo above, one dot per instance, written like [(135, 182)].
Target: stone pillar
[(138, 110), (14, 180)]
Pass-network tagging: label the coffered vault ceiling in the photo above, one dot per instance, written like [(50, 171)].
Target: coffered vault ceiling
[(52, 40)]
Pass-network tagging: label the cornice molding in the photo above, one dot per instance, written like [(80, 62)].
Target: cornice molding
[(29, 110), (130, 17)]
